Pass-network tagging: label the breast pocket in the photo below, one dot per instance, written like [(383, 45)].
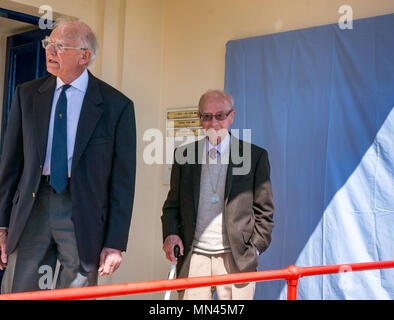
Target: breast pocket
[(99, 140)]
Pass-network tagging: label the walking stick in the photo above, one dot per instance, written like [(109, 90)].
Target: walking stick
[(172, 272)]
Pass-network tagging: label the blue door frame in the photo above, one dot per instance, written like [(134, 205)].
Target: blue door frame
[(25, 60)]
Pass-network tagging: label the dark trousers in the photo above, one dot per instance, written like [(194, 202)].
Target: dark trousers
[(48, 237)]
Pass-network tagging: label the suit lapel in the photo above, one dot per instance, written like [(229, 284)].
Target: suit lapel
[(91, 111), (234, 145), (42, 105), (199, 154)]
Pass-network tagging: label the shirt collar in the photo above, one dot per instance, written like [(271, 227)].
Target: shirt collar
[(81, 83), (221, 147)]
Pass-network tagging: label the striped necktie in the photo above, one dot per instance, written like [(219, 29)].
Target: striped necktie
[(213, 153)]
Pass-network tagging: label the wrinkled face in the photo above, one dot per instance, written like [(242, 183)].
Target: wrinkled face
[(70, 63), (215, 129)]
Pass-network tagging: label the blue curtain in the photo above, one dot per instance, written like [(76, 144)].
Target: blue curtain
[(320, 100)]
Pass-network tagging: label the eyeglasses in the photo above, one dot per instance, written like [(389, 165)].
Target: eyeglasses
[(220, 116), (59, 47)]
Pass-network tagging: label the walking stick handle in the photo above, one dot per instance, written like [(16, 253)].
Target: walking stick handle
[(176, 251)]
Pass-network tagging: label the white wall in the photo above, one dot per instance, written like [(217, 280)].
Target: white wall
[(141, 80)]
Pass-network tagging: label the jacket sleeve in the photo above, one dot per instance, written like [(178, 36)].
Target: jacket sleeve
[(171, 207), (263, 206), (11, 164), (122, 185)]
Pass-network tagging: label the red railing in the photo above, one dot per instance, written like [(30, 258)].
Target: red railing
[(291, 274)]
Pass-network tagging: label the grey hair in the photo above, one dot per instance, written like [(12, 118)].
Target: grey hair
[(218, 93), (87, 38)]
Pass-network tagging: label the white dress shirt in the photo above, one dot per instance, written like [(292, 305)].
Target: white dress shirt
[(75, 95)]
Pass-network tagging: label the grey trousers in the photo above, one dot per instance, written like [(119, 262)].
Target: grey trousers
[(48, 237)]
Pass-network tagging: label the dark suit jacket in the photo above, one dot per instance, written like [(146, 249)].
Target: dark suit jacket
[(248, 205), (103, 166)]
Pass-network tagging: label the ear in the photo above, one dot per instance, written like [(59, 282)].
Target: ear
[(85, 57), (232, 115)]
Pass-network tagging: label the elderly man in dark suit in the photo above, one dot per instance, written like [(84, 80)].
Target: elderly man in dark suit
[(219, 209), (67, 171)]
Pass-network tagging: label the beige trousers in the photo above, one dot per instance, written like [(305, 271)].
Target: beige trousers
[(216, 264)]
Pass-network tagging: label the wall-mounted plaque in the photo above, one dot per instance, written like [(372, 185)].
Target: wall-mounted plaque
[(182, 122), (186, 114)]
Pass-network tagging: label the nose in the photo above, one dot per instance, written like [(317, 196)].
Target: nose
[(215, 123)]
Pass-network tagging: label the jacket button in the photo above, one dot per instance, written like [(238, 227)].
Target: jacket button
[(33, 194)]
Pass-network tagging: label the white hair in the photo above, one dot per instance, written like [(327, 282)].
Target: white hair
[(227, 97), (85, 34)]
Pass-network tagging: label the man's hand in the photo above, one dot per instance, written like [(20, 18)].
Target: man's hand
[(110, 260), (3, 244), (169, 243)]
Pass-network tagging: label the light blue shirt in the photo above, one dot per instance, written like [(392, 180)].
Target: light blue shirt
[(221, 147), (75, 95)]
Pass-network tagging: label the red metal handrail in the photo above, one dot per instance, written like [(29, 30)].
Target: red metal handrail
[(291, 274)]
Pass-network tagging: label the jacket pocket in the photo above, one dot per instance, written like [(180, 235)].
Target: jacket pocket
[(246, 236), (99, 140)]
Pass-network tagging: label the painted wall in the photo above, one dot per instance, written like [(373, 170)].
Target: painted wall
[(141, 80), (165, 54), (196, 32)]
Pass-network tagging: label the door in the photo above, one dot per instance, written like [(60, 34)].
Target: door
[(25, 61)]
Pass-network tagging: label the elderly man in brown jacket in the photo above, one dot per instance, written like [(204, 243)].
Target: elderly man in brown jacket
[(219, 209)]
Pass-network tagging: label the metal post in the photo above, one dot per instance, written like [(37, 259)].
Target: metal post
[(292, 289), (294, 273)]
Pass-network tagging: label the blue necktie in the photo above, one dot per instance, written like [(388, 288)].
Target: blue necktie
[(59, 167)]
